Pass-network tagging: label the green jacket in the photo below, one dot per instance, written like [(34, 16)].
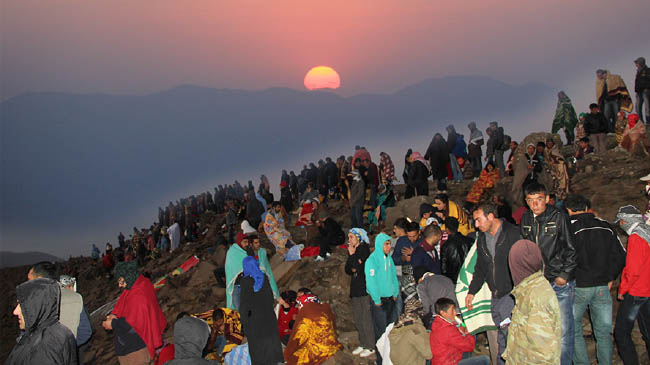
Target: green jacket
[(381, 276), (234, 259), (536, 329), (265, 266)]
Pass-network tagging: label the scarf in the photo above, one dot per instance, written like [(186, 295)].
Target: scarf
[(252, 269), (361, 234), (389, 168), (615, 88), (634, 224), (417, 156), (524, 260)]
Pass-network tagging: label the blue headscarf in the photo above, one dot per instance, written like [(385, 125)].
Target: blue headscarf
[(361, 234), (252, 269)]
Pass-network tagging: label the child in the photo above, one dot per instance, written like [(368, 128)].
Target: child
[(449, 338)]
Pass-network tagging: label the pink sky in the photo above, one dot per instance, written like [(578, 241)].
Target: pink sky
[(125, 46)]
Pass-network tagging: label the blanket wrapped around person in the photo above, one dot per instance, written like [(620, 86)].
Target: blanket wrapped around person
[(487, 180)]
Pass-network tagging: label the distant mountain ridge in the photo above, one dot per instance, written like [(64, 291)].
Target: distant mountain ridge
[(74, 164), (13, 259)]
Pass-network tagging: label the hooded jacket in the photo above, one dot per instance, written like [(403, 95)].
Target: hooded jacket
[(45, 340), (635, 279), (552, 233), (190, 336), (475, 141), (381, 276), (438, 156)]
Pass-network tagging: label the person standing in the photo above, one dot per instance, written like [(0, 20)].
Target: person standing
[(357, 197), (500, 146), (494, 241), (596, 128), (600, 258), (452, 141), (257, 317), (381, 283), (474, 149), (43, 339), (438, 156), (634, 290), (642, 89), (535, 330), (565, 117), (612, 96), (549, 228), (359, 252)]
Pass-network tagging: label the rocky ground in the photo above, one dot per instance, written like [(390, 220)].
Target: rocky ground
[(609, 180)]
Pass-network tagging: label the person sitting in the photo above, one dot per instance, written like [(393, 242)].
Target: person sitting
[(583, 149), (314, 338), (330, 234), (432, 287), (427, 251), (487, 180), (426, 212), (451, 209), (225, 332), (190, 337), (286, 311), (274, 228), (449, 338)]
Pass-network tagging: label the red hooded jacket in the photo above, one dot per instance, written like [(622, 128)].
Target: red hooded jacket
[(447, 343)]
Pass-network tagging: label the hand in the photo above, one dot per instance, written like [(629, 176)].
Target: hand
[(610, 284), (463, 330), (468, 301), (394, 299), (378, 305), (108, 323), (621, 296), (407, 251), (560, 281), (351, 249)]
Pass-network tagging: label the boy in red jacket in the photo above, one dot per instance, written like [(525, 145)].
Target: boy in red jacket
[(449, 338)]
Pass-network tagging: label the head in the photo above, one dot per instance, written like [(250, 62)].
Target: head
[(37, 302), (451, 225), (576, 204), (530, 149), (486, 218), (513, 145), (601, 74), (536, 197), (639, 62), (441, 201), (524, 259), (489, 167), (426, 210), (446, 309), (126, 273), (191, 334), (413, 232), (629, 217), (400, 227), (583, 142), (432, 234), (581, 117), (356, 236), (552, 199), (43, 269), (254, 242), (549, 143), (302, 291), (67, 282), (594, 108), (277, 207), (218, 317), (541, 146), (471, 126), (289, 298), (382, 242)]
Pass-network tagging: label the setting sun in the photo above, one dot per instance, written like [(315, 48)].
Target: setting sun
[(322, 77)]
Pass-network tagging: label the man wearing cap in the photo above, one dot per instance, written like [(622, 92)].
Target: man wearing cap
[(642, 89), (634, 290)]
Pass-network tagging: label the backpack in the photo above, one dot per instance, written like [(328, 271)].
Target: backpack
[(506, 142)]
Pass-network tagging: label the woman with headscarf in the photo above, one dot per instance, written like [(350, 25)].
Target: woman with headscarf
[(489, 178), (635, 139), (257, 316), (419, 173), (410, 189), (314, 338), (438, 156), (387, 169), (535, 331), (565, 117)]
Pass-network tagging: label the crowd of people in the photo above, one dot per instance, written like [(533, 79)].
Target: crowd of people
[(427, 290)]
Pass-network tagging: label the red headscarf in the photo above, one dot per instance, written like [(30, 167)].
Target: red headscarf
[(632, 119), (139, 306)]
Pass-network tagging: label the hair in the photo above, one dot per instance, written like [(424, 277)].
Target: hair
[(593, 106), (451, 223), (251, 237), (217, 314), (182, 314), (541, 144), (443, 305), (487, 209), (45, 269), (275, 204), (442, 197), (515, 142), (413, 227), (432, 230), (552, 196), (584, 139), (304, 290), (418, 272), (535, 188), (402, 223), (577, 202), (289, 296)]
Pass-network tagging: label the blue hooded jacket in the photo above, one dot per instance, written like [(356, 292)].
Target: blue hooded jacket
[(381, 276)]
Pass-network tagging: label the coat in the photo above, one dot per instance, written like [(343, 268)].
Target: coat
[(381, 275), (259, 322), (438, 156), (45, 340), (433, 287), (190, 336), (536, 329), (354, 267), (409, 345), (448, 343)]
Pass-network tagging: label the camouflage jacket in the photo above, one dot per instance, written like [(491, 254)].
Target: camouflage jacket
[(536, 329)]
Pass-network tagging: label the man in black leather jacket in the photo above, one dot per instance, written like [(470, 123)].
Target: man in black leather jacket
[(549, 227), (454, 251)]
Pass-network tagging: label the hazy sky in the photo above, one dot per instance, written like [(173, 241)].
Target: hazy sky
[(126, 46), (377, 46)]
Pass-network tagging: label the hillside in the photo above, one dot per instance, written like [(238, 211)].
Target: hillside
[(13, 259), (610, 181)]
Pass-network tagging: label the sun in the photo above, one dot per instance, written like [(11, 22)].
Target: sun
[(322, 77)]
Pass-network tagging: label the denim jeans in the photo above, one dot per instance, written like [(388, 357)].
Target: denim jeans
[(382, 315), (566, 296), (599, 301), (476, 360), (631, 309), (356, 216), (498, 160), (643, 105), (455, 168), (610, 110), (501, 309), (476, 165), (236, 296)]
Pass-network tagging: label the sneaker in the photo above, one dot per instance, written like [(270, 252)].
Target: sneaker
[(366, 353), (358, 350), (328, 255), (319, 258)]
